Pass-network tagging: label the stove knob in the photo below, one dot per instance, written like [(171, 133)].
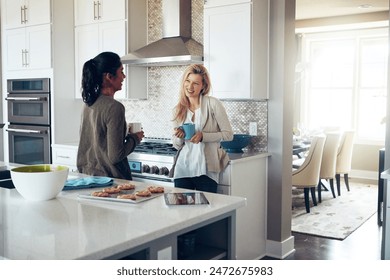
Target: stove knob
[(154, 170), (145, 168), (164, 171)]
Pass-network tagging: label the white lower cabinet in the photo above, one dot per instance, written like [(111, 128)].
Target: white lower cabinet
[(248, 178), (65, 155)]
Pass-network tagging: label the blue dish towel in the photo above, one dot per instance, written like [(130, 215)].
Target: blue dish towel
[(87, 182)]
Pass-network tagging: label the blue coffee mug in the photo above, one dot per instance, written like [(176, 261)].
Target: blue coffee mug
[(189, 130)]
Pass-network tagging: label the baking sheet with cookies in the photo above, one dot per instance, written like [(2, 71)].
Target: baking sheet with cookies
[(136, 194)]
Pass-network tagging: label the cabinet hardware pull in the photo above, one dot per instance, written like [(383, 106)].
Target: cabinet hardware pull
[(21, 15), (63, 157), (95, 5), (26, 58), (99, 6), (23, 58), (25, 14)]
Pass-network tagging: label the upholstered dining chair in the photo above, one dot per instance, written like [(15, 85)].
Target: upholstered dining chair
[(344, 158), (328, 163), (308, 174)]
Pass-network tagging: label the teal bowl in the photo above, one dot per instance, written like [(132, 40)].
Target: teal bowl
[(239, 142)]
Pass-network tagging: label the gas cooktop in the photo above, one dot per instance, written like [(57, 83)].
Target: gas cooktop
[(157, 146)]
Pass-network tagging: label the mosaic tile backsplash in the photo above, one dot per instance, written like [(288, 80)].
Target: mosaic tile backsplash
[(155, 113)]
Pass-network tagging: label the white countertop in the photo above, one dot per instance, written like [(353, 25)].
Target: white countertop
[(72, 228), (385, 174), (232, 156)]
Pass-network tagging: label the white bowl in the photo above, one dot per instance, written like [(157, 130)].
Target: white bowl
[(39, 182)]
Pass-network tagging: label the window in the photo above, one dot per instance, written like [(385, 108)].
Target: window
[(344, 82)]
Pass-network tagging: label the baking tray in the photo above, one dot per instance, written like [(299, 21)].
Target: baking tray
[(113, 197)]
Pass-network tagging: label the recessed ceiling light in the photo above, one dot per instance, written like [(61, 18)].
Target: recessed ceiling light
[(365, 6)]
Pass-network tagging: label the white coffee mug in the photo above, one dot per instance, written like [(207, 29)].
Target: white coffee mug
[(134, 127)]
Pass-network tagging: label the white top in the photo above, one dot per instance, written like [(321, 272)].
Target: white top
[(192, 161), (72, 228)]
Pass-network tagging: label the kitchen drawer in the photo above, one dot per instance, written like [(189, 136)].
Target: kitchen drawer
[(65, 156)]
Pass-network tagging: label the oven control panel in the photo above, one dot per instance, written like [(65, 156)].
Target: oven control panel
[(135, 166), (150, 168)]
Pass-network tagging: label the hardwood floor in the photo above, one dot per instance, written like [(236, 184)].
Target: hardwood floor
[(363, 244)]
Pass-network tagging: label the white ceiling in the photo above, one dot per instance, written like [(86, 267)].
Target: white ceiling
[(307, 9)]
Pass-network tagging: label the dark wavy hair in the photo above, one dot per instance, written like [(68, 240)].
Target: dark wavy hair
[(93, 71)]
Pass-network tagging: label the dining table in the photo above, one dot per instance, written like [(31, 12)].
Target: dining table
[(300, 148)]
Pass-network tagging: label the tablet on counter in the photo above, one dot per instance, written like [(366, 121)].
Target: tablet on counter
[(185, 198)]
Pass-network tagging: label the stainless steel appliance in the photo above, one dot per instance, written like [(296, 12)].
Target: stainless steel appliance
[(177, 47), (151, 162), (29, 101), (29, 131)]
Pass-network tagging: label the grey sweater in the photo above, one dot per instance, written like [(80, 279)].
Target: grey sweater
[(103, 146)]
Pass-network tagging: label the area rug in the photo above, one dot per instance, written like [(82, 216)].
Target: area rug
[(335, 218)]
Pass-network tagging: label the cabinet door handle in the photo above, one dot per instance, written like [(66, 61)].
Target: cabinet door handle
[(95, 7), (21, 15), (98, 6), (26, 58), (66, 157), (25, 14), (22, 58)]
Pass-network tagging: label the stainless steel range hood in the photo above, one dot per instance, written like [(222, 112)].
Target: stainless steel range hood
[(176, 47)]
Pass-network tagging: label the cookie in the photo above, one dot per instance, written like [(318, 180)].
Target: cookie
[(126, 187), (143, 193), (156, 189), (127, 196), (100, 194), (112, 190)]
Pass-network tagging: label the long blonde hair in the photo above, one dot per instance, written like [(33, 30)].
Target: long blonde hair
[(184, 102)]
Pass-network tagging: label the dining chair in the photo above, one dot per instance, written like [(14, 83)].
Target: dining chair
[(308, 174), (328, 163), (344, 158)]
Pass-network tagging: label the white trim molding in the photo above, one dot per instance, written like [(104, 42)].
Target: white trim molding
[(280, 250)]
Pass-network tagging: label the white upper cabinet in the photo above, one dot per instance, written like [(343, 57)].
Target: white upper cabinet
[(20, 13), (92, 11), (27, 34), (92, 39), (236, 48), (28, 48), (119, 26)]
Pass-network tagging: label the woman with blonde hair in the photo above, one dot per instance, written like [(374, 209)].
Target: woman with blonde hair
[(200, 159)]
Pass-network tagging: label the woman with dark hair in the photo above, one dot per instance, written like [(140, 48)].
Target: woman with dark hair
[(201, 158), (105, 142)]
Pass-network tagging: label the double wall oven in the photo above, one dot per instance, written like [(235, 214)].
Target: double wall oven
[(29, 131)]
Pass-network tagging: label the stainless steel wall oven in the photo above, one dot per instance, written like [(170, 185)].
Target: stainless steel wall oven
[(29, 131)]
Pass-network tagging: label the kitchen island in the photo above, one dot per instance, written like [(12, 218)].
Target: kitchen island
[(72, 228)]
